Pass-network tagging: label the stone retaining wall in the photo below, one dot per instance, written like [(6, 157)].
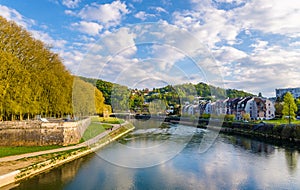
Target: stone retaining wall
[(35, 133)]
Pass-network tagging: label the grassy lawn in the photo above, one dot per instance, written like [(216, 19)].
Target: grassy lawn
[(8, 151), (111, 120), (282, 121), (93, 130)]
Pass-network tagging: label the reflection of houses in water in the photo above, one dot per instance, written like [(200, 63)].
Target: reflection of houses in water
[(260, 147), (255, 146)]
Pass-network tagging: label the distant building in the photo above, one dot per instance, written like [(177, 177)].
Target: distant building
[(258, 108), (294, 91)]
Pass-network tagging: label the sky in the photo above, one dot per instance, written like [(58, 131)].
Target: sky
[(251, 45)]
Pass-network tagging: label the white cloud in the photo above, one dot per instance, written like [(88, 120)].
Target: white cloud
[(295, 44), (214, 25), (159, 9), (71, 3), (260, 45), (12, 14), (265, 69), (69, 12), (227, 54), (208, 24), (277, 17), (231, 1), (71, 58), (107, 14), (90, 28), (169, 55), (121, 40), (143, 15), (56, 44)]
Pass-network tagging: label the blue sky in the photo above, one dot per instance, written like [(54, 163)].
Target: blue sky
[(253, 45)]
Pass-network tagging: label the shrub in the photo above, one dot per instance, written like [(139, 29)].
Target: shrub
[(205, 116), (229, 117)]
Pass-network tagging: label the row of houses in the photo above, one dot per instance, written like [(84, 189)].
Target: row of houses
[(258, 108)]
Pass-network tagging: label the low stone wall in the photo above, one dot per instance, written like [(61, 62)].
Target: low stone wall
[(35, 133)]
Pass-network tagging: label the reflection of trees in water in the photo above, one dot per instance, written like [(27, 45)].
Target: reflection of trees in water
[(54, 178), (291, 157), (254, 146)]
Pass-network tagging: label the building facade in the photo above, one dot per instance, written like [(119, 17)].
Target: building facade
[(294, 91), (258, 108)]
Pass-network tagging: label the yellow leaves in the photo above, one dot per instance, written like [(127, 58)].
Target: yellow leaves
[(32, 78)]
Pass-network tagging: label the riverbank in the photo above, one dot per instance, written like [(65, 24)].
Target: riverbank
[(49, 161), (278, 133)]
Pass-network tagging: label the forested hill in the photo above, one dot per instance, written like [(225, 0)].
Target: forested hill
[(105, 87), (33, 80), (172, 94)]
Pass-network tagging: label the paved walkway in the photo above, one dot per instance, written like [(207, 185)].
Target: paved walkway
[(84, 144)]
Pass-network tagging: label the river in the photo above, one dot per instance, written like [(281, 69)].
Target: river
[(172, 158)]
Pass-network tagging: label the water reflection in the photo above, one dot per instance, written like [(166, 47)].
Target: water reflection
[(257, 147), (291, 157), (57, 178), (231, 163)]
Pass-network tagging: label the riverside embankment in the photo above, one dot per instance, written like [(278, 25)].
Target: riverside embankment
[(281, 133), (64, 156)]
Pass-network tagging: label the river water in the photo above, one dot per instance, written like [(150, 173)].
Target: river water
[(172, 158)]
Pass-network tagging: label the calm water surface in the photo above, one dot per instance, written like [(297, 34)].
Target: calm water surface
[(232, 162)]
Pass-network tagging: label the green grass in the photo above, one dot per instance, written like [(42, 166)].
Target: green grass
[(95, 119), (106, 126), (93, 130), (9, 151), (282, 121), (111, 120)]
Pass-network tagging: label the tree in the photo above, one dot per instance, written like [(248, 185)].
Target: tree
[(33, 79), (246, 116), (278, 109), (289, 107), (120, 98)]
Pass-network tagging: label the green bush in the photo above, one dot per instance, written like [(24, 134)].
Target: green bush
[(229, 117), (205, 116)]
